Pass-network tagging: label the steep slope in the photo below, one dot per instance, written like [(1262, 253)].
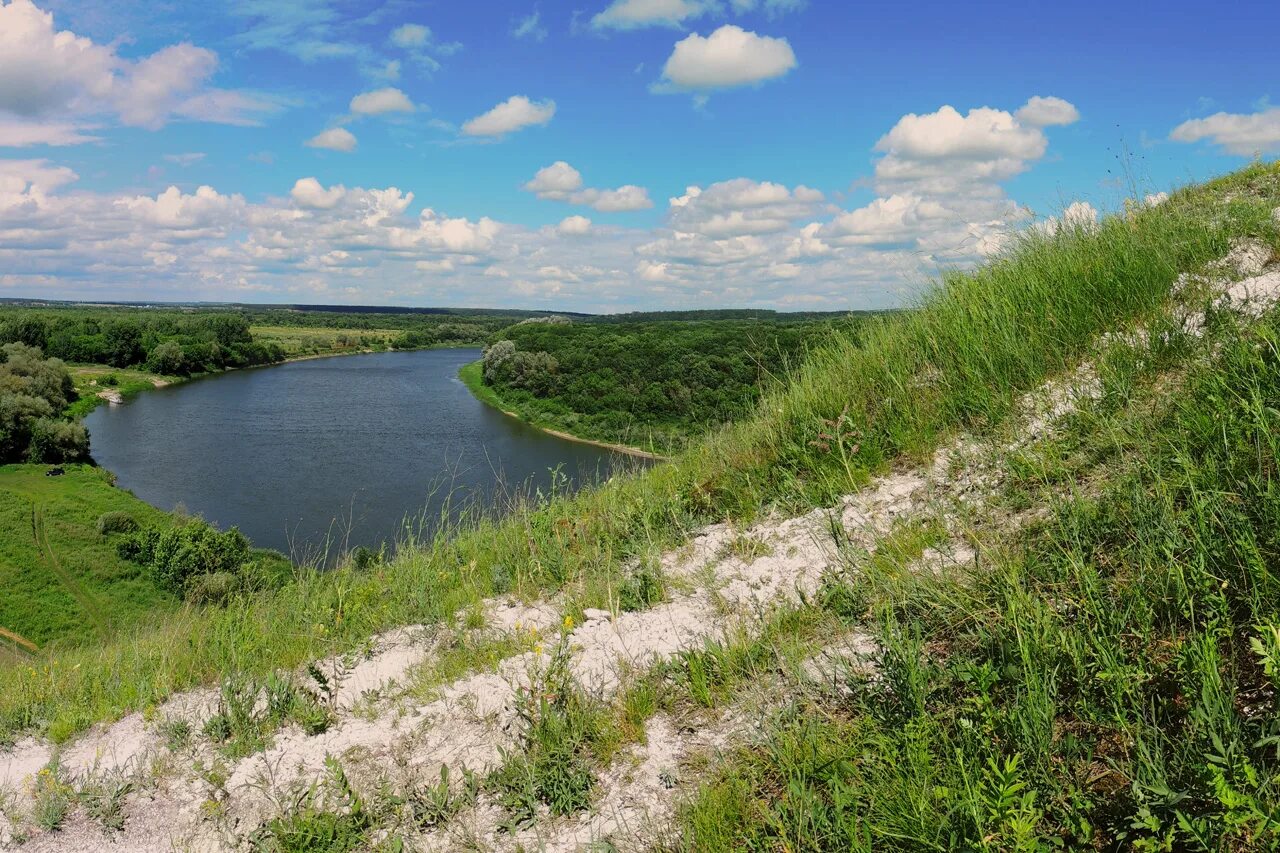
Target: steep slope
[(591, 707)]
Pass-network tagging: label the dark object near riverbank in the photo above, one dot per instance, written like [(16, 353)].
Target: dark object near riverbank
[(54, 472)]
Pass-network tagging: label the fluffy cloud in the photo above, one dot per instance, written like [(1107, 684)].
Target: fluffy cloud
[(557, 181), (633, 14), (574, 226), (1046, 112), (456, 236), (57, 82), (896, 220), (513, 114), (1078, 216), (741, 241), (309, 193), (945, 152), (562, 182), (1244, 134), (204, 210), (981, 134), (741, 207), (380, 101), (729, 57), (939, 182), (334, 139)]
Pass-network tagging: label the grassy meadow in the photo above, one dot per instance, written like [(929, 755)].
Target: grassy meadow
[(1104, 679), (62, 579), (300, 341)]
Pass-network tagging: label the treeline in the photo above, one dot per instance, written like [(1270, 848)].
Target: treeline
[(653, 384), (33, 390), (170, 343), (435, 325)]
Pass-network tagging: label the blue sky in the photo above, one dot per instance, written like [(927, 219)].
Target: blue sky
[(592, 155)]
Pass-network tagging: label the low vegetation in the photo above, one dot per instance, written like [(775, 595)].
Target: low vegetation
[(62, 577), (1106, 680)]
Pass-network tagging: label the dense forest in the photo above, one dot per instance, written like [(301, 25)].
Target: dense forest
[(647, 384), (166, 342)]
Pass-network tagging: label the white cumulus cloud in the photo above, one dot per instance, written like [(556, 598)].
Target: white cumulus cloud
[(1046, 112), (55, 82), (1244, 134), (513, 114), (562, 182), (310, 193), (574, 226), (729, 57), (380, 101), (334, 139)]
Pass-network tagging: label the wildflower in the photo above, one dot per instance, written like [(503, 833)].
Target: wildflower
[(568, 623)]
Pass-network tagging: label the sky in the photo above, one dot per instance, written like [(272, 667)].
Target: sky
[(594, 155)]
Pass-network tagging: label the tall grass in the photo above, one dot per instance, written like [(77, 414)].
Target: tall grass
[(959, 361), (1108, 682)]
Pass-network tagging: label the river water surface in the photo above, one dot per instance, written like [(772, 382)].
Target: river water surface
[(327, 454)]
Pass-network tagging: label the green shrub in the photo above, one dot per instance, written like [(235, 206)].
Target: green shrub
[(116, 521), (174, 555), (54, 441)]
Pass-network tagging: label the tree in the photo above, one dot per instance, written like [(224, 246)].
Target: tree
[(33, 390), (495, 361), (54, 441), (24, 330), (168, 359), (124, 344)]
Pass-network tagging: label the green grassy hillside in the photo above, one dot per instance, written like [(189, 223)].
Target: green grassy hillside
[(62, 579), (1095, 647)]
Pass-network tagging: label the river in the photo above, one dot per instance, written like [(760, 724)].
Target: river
[(315, 457)]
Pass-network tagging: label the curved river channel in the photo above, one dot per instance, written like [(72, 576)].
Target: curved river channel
[(314, 457)]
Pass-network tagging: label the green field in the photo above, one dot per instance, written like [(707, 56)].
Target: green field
[(71, 586), (297, 341)]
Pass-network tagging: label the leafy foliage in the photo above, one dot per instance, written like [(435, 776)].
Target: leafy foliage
[(655, 383), (33, 389), (176, 556), (172, 343)]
